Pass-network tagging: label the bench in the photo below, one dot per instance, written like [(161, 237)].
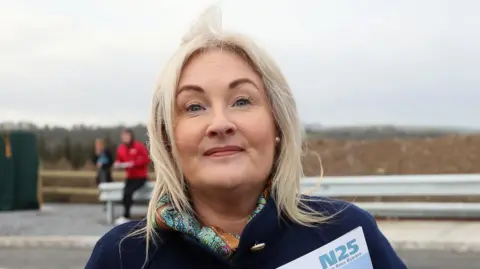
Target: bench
[(112, 192)]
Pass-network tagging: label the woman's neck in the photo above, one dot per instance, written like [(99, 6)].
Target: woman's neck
[(228, 211)]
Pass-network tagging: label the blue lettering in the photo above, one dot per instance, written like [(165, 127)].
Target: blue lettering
[(343, 252), (339, 254), (352, 246), (328, 260)]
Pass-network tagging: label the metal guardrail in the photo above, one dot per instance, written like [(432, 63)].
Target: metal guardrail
[(363, 186), (401, 185)]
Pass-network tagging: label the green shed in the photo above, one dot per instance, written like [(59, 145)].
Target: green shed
[(18, 171)]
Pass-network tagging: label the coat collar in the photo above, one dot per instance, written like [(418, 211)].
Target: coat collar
[(261, 230)]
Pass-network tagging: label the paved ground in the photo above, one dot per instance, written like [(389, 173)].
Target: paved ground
[(51, 258), (441, 235), (43, 238), (426, 259), (59, 219), (43, 258)]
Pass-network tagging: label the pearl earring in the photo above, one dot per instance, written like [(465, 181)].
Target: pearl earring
[(277, 139)]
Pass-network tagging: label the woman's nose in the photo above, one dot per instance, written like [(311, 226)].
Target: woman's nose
[(220, 126)]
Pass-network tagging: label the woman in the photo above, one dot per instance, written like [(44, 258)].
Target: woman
[(226, 142)]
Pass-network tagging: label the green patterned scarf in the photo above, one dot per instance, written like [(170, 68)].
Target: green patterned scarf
[(223, 243)]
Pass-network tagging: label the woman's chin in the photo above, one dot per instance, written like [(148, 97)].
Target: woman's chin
[(227, 180)]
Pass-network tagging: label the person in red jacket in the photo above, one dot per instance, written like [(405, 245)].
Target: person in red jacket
[(132, 156)]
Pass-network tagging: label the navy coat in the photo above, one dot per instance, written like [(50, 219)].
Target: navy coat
[(284, 242)]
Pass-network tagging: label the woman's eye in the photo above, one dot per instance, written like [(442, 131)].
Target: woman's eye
[(242, 102), (194, 108)]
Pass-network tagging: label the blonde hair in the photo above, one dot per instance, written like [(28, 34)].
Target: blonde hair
[(206, 34)]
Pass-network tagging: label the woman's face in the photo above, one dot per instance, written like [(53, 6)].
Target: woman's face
[(126, 137), (224, 127), (98, 146)]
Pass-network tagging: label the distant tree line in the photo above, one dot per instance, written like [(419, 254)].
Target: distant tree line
[(76, 145), (77, 154)]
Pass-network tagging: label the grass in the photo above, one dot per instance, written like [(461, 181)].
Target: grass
[(70, 190), (66, 174)]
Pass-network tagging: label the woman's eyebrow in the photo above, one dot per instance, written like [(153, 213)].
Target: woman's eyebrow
[(239, 81), (232, 85), (189, 87)]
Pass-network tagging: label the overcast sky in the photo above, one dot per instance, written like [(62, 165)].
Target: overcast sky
[(410, 62)]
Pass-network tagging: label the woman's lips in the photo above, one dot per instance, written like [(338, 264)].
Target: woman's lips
[(223, 151)]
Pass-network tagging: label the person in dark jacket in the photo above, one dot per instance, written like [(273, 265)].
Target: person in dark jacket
[(103, 160), (226, 141)]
